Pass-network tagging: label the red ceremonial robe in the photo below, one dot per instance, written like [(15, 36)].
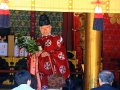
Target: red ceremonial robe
[(54, 46)]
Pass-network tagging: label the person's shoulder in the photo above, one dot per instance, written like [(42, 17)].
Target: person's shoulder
[(23, 87), (53, 35), (26, 87), (104, 88), (13, 89), (97, 88), (56, 36)]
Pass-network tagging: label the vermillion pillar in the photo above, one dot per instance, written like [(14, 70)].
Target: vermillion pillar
[(93, 54)]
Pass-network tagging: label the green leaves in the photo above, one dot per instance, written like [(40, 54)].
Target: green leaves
[(21, 42), (28, 43)]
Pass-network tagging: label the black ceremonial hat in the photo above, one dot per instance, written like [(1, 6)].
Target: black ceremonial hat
[(44, 20)]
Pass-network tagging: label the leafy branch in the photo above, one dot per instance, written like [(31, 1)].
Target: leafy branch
[(29, 44)]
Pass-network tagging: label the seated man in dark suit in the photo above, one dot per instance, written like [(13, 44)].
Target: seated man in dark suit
[(106, 79)]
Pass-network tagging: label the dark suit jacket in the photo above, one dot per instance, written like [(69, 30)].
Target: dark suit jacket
[(104, 87)]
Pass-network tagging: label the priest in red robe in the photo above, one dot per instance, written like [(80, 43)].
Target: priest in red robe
[(52, 57)]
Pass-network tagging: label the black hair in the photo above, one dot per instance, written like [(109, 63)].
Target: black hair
[(21, 77)]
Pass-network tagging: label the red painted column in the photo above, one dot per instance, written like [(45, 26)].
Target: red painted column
[(32, 23)]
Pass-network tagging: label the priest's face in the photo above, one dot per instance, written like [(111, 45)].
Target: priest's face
[(45, 30)]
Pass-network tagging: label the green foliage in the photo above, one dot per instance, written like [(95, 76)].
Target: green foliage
[(28, 43)]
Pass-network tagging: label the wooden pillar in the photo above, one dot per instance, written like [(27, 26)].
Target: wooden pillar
[(93, 54), (11, 45)]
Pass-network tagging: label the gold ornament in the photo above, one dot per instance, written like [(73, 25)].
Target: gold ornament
[(114, 18), (118, 20)]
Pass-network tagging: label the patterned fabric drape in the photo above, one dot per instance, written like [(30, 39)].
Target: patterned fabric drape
[(20, 22)]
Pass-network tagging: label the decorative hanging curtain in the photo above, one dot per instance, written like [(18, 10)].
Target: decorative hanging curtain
[(98, 23), (4, 15)]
